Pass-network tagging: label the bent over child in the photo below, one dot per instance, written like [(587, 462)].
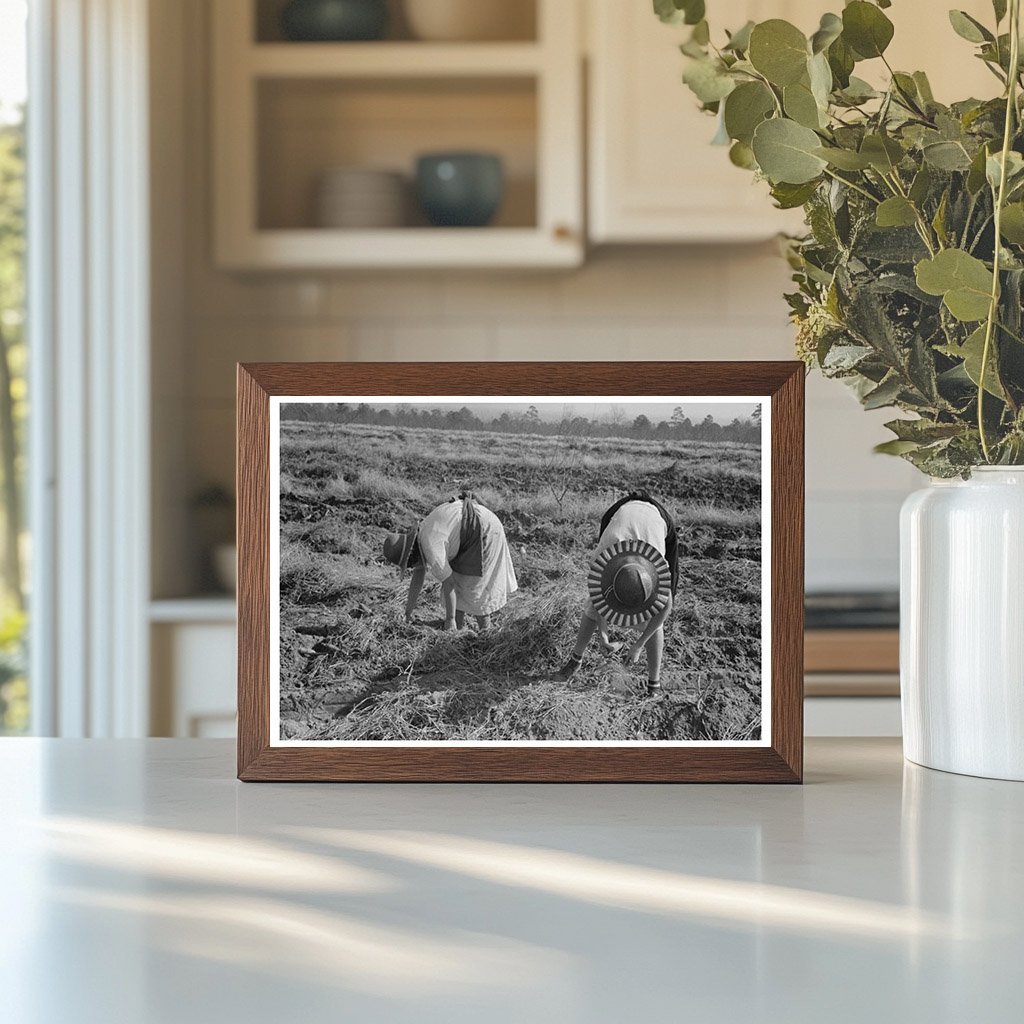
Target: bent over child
[(632, 581)]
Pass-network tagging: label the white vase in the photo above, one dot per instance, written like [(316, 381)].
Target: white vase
[(962, 624)]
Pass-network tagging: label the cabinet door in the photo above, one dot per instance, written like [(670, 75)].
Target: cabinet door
[(654, 175)]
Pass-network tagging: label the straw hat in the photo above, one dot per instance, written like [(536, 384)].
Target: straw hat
[(629, 583), (398, 547)]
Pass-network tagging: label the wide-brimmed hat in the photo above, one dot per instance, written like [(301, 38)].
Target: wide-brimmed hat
[(398, 547), (629, 583)]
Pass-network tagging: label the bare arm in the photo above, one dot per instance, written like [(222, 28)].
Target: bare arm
[(448, 602), (419, 574), (652, 627)]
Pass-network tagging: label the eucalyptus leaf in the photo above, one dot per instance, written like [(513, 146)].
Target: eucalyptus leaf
[(866, 30), (969, 28), (800, 105), (786, 152), (947, 156), (895, 212), (883, 153), (789, 197), (745, 108), (842, 61), (844, 159), (741, 155), (829, 30), (708, 80), (675, 12), (1012, 225), (739, 41), (963, 281), (999, 7), (779, 51)]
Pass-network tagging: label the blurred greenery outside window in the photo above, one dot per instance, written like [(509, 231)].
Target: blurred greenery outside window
[(14, 693)]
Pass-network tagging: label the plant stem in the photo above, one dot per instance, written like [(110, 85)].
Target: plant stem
[(993, 309), (856, 188)]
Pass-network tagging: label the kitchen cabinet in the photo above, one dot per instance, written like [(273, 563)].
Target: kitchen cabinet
[(286, 113), (653, 175)]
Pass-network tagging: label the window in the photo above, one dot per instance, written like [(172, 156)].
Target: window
[(14, 550)]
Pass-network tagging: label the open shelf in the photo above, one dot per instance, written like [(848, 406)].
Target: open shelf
[(393, 60), (520, 17), (308, 127), (286, 114)]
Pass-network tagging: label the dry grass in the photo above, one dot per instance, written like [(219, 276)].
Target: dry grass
[(353, 669)]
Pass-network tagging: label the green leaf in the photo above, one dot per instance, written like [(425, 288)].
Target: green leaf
[(921, 185), (969, 28), (999, 7), (676, 12), (923, 431), (963, 281), (746, 107), (924, 87), (858, 91), (896, 212), (830, 29), (820, 76), (785, 152), (885, 394), (883, 153), (841, 60), (701, 33), (708, 80), (1014, 169), (789, 197), (971, 352), (946, 156), (866, 29), (778, 50), (800, 105), (896, 447), (741, 155), (739, 41), (1012, 225), (976, 174), (844, 159)]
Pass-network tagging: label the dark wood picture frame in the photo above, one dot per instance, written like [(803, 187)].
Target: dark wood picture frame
[(781, 761)]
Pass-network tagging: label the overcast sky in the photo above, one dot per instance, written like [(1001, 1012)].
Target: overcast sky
[(722, 412)]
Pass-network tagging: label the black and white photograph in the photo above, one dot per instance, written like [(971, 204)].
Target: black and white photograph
[(453, 570)]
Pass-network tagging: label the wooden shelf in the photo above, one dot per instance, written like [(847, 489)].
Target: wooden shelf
[(852, 650), (401, 247), (393, 60)]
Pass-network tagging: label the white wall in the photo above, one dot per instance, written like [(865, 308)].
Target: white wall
[(665, 303)]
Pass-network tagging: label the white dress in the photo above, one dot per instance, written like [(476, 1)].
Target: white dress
[(468, 543), (636, 520)]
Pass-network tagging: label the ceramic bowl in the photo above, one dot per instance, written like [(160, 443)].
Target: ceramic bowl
[(470, 20), (358, 197), (334, 20), (460, 189)]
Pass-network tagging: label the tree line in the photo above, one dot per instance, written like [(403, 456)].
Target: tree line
[(679, 426)]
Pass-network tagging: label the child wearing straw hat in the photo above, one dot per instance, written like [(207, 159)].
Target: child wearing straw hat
[(631, 583), (463, 546)]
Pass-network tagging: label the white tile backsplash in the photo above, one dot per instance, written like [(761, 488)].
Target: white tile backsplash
[(714, 303)]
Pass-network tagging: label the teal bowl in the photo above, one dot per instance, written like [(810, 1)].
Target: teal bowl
[(460, 190), (334, 21)]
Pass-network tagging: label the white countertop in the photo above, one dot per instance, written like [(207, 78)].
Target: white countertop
[(143, 885)]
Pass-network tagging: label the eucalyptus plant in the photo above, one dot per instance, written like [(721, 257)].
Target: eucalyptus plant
[(909, 280)]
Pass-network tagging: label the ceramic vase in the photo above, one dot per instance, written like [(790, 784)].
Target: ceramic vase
[(962, 624)]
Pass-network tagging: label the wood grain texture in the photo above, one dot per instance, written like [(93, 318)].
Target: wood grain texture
[(781, 762)]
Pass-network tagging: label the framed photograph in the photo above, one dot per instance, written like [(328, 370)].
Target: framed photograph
[(520, 572)]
